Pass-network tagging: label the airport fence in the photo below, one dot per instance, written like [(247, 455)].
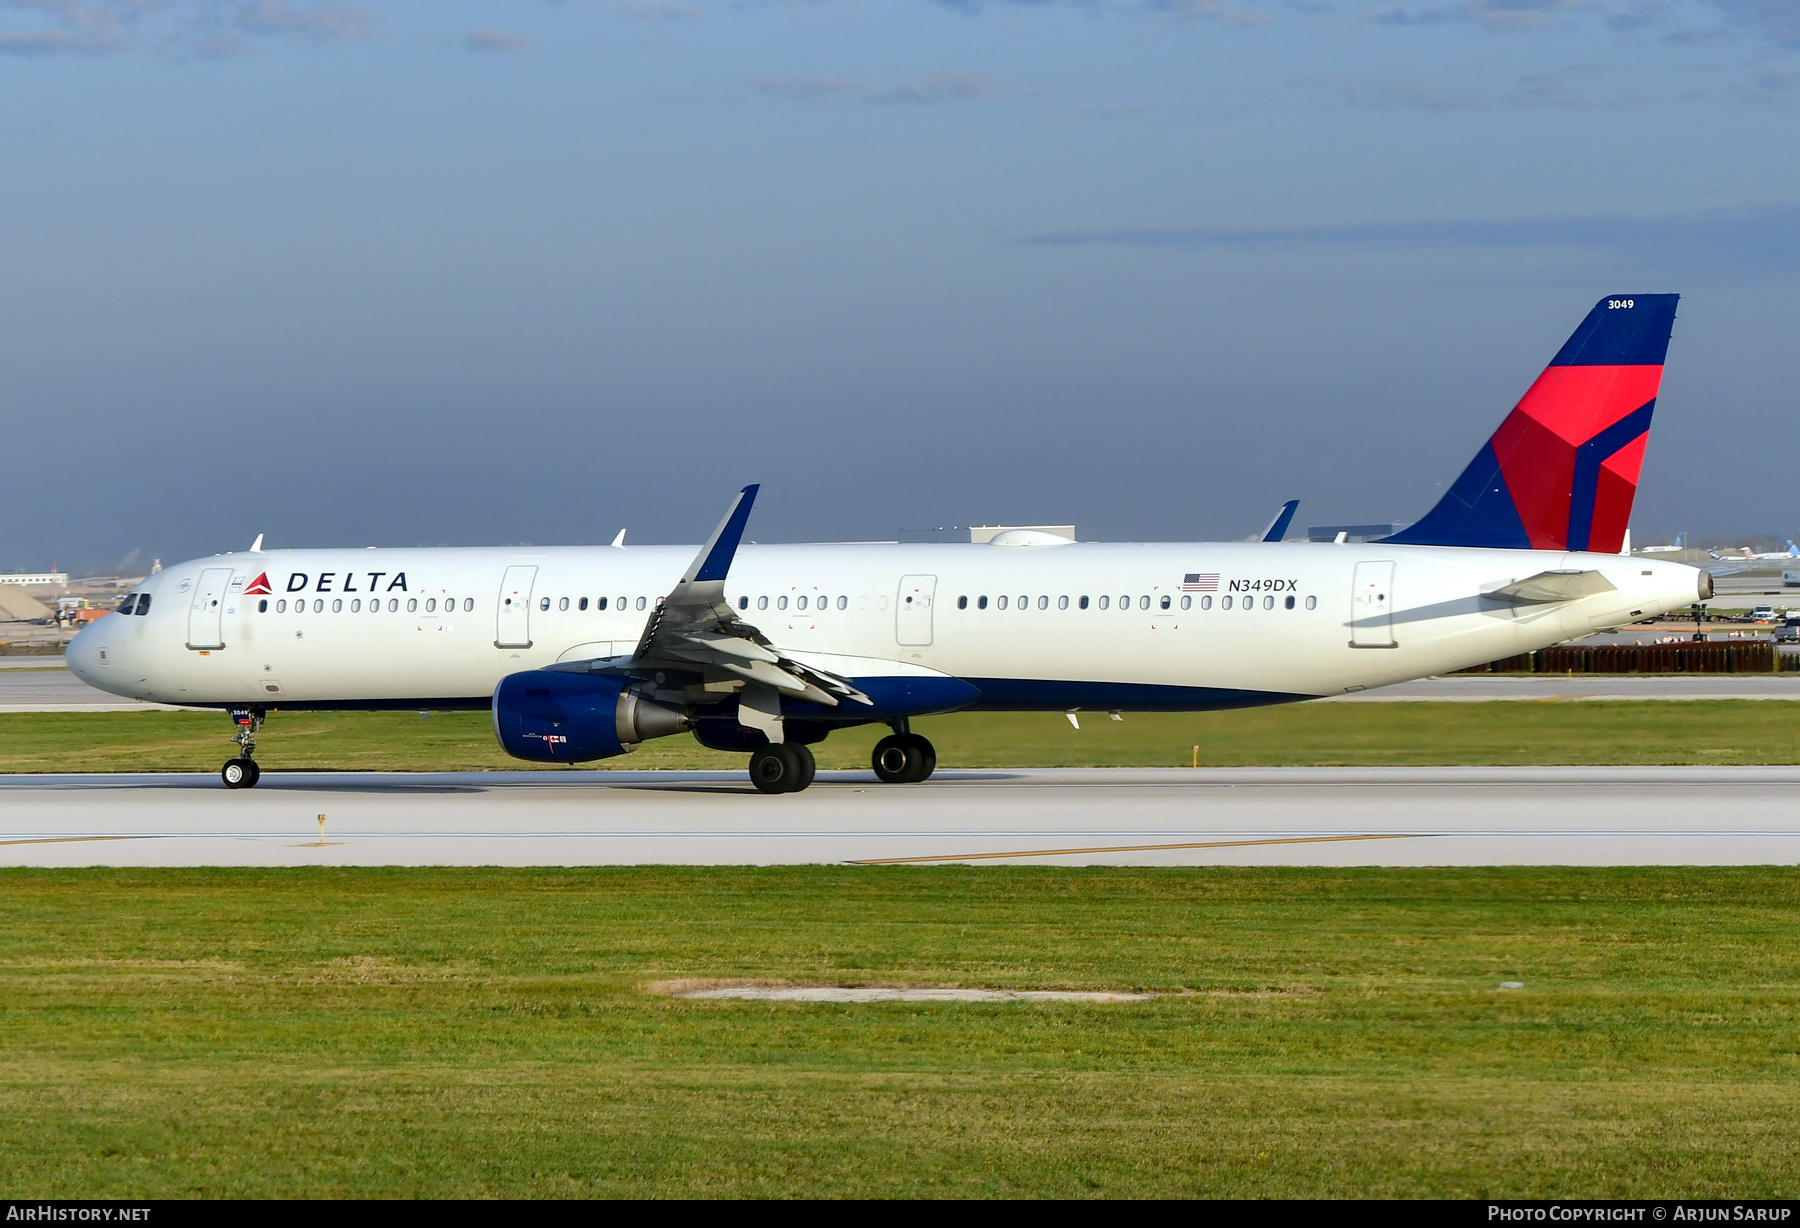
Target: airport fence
[(1757, 657)]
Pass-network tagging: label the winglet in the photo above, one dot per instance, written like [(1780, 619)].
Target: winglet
[(256, 546), (714, 560), (1278, 527), (619, 541)]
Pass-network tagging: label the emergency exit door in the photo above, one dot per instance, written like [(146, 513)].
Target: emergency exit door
[(206, 616), (1372, 606), (912, 610), (514, 619)]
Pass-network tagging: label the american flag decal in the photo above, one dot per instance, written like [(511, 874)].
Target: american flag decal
[(1200, 582)]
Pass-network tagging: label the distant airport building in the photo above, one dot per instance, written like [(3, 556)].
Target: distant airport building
[(979, 534), (1352, 532), (36, 579)]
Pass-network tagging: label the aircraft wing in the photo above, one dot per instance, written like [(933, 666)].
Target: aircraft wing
[(1550, 586), (695, 629)]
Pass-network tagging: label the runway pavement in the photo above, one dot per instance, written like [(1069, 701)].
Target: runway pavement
[(1235, 816)]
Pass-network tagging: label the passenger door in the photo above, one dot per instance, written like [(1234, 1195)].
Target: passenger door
[(912, 610), (1372, 606), (206, 616), (514, 626)]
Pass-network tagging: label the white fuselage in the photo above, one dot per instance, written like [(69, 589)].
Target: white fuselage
[(1175, 626)]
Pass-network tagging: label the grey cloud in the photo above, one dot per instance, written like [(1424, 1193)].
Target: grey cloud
[(204, 27), (1772, 85), (1778, 20), (1496, 15), (1241, 16), (1408, 94), (1763, 239), (495, 41), (931, 89)]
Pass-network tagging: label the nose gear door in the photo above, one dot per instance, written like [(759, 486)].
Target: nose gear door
[(912, 610), (206, 616), (514, 629)]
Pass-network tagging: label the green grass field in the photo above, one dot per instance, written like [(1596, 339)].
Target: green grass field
[(489, 1032), (1560, 731)]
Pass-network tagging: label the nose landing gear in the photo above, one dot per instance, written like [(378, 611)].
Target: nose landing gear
[(242, 772)]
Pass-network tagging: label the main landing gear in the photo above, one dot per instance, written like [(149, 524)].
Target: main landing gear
[(904, 759), (242, 772), (782, 767)]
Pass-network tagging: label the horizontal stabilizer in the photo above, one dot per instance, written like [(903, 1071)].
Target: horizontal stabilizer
[(1549, 586)]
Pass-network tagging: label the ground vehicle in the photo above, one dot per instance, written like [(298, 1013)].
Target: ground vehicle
[(1763, 614)]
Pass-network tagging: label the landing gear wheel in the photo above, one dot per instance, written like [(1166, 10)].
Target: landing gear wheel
[(927, 757), (809, 766), (240, 773), (891, 759), (774, 768), (903, 759)]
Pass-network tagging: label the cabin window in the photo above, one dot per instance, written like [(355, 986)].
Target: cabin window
[(431, 605), (1312, 603), (843, 603), (582, 604), (600, 604), (1024, 602), (1249, 604), (337, 605), (1206, 603), (1224, 603), (1105, 601), (1043, 603), (262, 607), (1187, 603), (393, 605), (743, 603), (543, 604), (800, 604), (762, 603), (1084, 603), (781, 603), (1165, 601), (143, 604), (1000, 604), (981, 603), (624, 603), (412, 605), (319, 605), (1289, 603), (469, 604), (356, 605), (1143, 603), (560, 605), (1268, 603), (1125, 603), (1062, 603), (962, 603), (281, 606)]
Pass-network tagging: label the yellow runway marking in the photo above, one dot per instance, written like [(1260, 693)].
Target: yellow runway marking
[(71, 839), (1143, 848)]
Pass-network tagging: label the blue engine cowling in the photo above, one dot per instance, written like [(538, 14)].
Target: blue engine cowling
[(551, 716)]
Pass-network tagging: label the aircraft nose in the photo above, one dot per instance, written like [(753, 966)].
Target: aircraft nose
[(83, 654)]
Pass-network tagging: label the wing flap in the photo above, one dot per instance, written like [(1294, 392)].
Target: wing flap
[(1552, 586)]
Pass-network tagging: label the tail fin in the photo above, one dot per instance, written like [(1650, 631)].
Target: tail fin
[(1561, 471)]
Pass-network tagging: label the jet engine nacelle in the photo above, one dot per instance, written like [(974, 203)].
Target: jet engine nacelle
[(551, 716)]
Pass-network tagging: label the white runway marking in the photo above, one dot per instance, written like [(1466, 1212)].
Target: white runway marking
[(1230, 816)]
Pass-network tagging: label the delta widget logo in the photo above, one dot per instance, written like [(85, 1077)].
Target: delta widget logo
[(259, 585)]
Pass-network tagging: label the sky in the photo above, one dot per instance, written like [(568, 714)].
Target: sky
[(503, 271)]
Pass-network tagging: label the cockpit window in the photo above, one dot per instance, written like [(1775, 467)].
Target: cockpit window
[(143, 603), (127, 605)]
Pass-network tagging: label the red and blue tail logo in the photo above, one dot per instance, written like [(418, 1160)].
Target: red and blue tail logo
[(1561, 471)]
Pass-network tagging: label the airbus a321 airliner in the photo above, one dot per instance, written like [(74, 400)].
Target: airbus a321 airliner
[(582, 653)]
